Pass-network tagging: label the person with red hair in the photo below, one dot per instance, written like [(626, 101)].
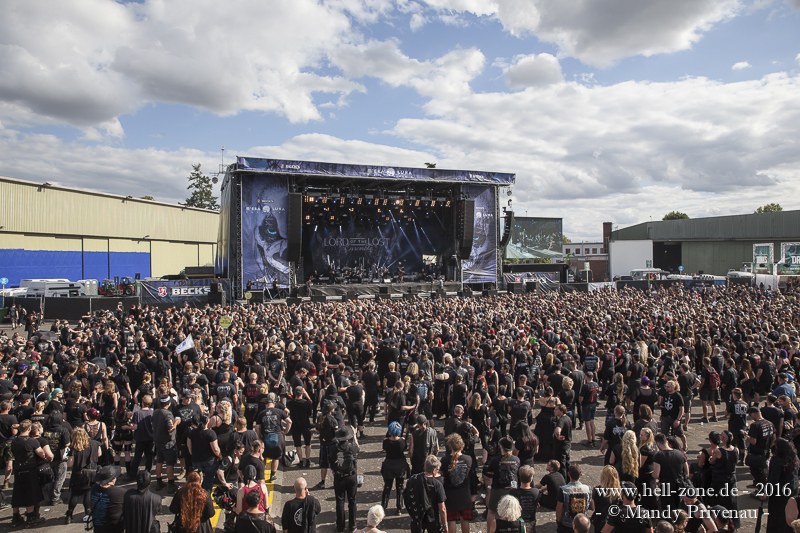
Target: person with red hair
[(193, 507)]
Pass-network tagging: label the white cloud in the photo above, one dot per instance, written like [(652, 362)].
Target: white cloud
[(532, 70), (600, 33), (86, 64), (797, 57), (741, 65), (449, 74)]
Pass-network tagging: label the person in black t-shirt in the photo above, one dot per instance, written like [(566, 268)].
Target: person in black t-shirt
[(299, 514), (672, 411), (203, 446), (562, 434), (371, 384), (628, 520), (300, 409), (761, 436)]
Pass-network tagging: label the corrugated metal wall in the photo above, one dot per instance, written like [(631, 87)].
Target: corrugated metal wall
[(35, 209), (49, 232)]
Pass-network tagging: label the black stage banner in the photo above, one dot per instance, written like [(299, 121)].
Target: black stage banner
[(192, 291)]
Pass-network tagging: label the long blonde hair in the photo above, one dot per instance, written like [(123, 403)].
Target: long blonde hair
[(648, 440), (609, 478), (80, 439), (630, 455)]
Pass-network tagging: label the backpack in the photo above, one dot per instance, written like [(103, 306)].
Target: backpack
[(417, 501), (507, 473), (345, 462), (99, 513), (714, 380), (422, 392), (458, 474)]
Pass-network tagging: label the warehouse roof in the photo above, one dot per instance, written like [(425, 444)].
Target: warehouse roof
[(784, 225)]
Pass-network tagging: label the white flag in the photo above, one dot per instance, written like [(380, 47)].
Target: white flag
[(187, 344)]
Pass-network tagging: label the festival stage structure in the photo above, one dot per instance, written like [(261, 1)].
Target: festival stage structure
[(330, 228)]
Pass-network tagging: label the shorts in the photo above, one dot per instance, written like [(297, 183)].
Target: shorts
[(301, 436), (467, 515), (588, 412), (707, 395), (667, 427), (167, 456)]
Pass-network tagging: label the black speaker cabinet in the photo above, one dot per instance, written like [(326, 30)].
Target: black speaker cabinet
[(465, 227), (294, 240), (217, 297), (383, 290)]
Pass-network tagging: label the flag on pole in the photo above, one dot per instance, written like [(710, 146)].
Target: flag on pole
[(187, 344)]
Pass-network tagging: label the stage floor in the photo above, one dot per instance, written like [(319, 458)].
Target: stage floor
[(365, 289)]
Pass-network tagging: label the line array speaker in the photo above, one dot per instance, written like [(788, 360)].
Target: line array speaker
[(294, 245), (465, 227)]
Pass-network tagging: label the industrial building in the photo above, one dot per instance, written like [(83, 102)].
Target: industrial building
[(713, 245), (49, 231)]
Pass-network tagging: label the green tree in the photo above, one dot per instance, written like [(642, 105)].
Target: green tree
[(202, 195), (565, 240), (770, 208), (675, 215)]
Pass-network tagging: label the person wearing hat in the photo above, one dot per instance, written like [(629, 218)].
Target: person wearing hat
[(628, 519), (107, 501), (141, 506), (342, 457)]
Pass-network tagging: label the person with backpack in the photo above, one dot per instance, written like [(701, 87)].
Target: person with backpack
[(27, 489), (273, 423), (58, 436), (500, 477), (107, 501), (394, 468), (456, 468), (423, 442), (425, 497), (343, 455), (710, 382)]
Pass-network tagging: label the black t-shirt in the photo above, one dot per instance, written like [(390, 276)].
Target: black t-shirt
[(565, 424), (255, 461), (354, 393), (189, 415), (271, 420), (370, 382), (738, 415), (201, 444), (456, 482), (300, 412), (299, 516), (529, 501), (671, 463), (762, 431), (672, 405), (6, 421), (24, 451)]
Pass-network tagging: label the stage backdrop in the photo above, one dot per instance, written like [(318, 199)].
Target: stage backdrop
[(264, 229), (481, 267), (535, 238), (372, 247), (790, 259)]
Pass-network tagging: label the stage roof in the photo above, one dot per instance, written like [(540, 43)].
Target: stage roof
[(348, 171)]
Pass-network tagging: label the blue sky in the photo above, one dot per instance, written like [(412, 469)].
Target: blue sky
[(613, 110)]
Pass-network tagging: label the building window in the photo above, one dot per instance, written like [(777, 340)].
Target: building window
[(586, 251), (594, 250), (566, 250)]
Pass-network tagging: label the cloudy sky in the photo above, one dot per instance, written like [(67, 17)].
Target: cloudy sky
[(606, 110)]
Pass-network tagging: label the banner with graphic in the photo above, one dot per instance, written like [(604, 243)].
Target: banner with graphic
[(280, 166), (789, 263), (264, 229), (763, 258), (178, 292), (481, 267)]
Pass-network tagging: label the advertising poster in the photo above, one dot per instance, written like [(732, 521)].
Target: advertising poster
[(762, 258), (481, 267), (789, 265), (178, 292), (264, 229)]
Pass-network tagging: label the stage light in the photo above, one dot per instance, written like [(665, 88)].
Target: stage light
[(324, 199), (385, 201), (433, 203), (447, 203), (358, 202), (416, 202)]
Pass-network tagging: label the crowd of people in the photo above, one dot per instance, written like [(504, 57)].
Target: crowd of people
[(474, 395)]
